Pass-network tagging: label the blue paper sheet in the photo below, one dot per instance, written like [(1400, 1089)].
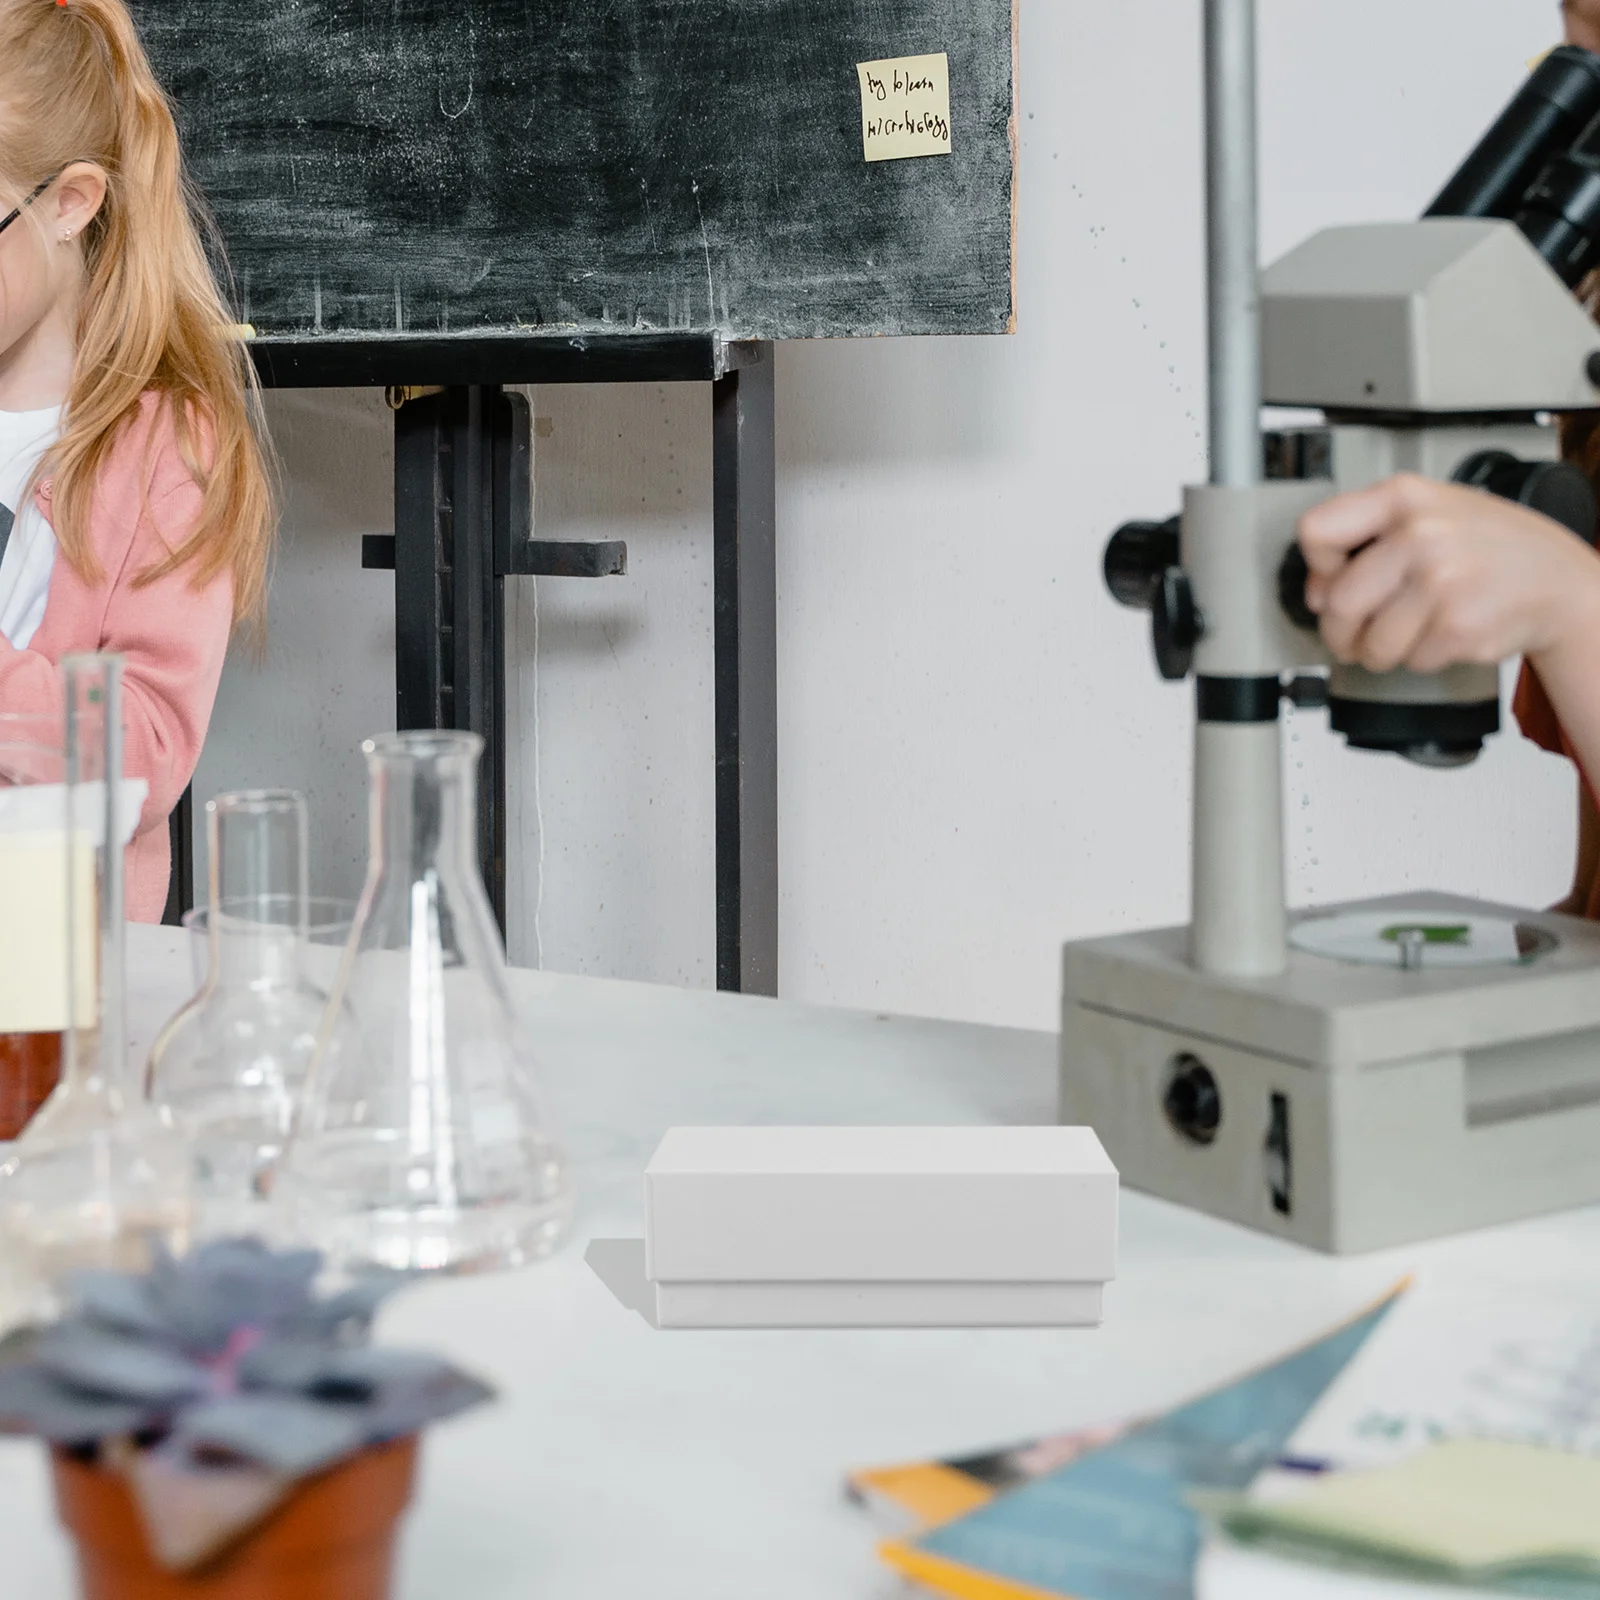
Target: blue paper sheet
[(1114, 1525)]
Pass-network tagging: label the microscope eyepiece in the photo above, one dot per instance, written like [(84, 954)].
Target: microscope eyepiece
[(1560, 98), (1539, 165), (1560, 216)]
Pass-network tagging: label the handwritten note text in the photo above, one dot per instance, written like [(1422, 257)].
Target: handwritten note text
[(905, 107)]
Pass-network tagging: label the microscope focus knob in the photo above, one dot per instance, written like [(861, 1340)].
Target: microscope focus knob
[(1292, 575), (1193, 1102), (1136, 557), (1176, 623), (1560, 490)]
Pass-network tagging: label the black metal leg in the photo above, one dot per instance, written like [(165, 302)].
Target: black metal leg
[(459, 529), (746, 641), (449, 597), (180, 885)]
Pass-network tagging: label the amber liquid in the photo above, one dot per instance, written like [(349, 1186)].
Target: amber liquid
[(30, 1069)]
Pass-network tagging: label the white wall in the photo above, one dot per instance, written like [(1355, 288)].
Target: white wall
[(977, 758), (296, 719)]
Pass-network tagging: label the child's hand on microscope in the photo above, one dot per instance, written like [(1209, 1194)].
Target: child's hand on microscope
[(1426, 575)]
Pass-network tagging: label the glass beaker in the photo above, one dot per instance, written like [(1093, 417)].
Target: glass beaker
[(423, 1145), (33, 978), (96, 1179), (328, 925), (227, 1069)]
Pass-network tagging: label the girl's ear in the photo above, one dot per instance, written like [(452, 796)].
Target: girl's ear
[(79, 194)]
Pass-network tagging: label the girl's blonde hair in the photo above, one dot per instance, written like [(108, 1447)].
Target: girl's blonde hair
[(76, 85)]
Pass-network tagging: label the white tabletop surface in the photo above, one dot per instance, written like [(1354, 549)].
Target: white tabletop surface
[(622, 1463)]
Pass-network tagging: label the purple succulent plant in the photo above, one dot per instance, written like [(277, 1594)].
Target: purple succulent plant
[(222, 1361)]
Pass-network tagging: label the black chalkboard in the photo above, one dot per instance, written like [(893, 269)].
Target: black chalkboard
[(383, 166)]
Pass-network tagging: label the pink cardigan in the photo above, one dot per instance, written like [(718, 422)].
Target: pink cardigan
[(172, 635)]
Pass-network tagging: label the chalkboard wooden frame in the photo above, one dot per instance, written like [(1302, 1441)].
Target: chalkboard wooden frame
[(336, 361)]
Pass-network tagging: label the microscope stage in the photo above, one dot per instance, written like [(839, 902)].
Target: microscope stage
[(1346, 1105), (1414, 937)]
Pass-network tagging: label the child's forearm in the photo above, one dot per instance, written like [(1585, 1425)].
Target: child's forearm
[(1569, 669)]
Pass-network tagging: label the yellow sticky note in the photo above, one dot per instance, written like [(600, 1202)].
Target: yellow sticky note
[(905, 107), (1472, 1507)]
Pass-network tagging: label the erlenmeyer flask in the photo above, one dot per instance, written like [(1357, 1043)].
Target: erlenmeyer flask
[(228, 1068), (96, 1180), (424, 1146)]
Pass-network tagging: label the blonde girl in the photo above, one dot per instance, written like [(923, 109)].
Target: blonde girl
[(135, 511)]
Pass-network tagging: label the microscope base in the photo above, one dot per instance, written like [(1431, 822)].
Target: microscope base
[(1345, 1107)]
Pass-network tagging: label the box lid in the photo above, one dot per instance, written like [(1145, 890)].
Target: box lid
[(922, 1205)]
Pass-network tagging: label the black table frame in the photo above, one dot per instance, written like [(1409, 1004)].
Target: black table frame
[(462, 453)]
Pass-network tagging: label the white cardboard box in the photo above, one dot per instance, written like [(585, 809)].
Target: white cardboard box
[(876, 1227)]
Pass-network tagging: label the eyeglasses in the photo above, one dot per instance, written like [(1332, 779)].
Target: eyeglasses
[(5, 222)]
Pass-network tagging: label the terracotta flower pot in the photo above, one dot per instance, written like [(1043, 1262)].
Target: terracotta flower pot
[(332, 1539)]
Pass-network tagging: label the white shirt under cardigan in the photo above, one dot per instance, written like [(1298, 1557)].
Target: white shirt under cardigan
[(27, 539)]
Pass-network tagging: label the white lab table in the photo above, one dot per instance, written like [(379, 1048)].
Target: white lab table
[(626, 1464)]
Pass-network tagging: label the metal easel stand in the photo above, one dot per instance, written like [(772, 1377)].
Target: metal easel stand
[(462, 459), (745, 583)]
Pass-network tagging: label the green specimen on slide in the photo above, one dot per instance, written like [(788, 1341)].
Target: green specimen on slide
[(1432, 932)]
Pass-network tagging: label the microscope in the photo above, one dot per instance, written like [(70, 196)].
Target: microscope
[(1368, 1075)]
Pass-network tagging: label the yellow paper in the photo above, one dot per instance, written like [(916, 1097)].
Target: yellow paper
[(905, 107), (952, 1579), (930, 1492), (1470, 1504), (33, 932)]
